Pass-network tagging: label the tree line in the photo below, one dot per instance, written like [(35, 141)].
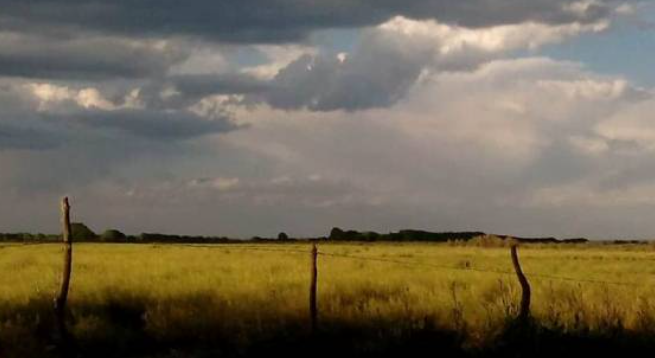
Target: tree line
[(82, 233)]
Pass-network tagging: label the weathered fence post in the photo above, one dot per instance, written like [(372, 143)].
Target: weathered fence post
[(62, 296), (313, 307), (524, 312)]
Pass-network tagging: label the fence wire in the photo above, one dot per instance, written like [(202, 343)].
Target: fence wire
[(482, 270), (421, 265)]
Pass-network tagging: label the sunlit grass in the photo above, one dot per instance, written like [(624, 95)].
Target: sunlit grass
[(240, 293)]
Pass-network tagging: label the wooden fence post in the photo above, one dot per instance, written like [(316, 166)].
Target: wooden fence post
[(62, 296), (313, 307), (524, 312)]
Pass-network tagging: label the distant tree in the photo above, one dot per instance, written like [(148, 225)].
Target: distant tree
[(336, 234), (113, 235), (370, 236), (82, 232), (282, 236)]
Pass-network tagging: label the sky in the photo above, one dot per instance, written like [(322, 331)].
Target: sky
[(251, 117)]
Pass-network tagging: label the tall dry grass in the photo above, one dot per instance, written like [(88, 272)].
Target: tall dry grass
[(231, 298)]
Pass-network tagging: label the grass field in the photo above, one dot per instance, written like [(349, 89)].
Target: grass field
[(252, 300)]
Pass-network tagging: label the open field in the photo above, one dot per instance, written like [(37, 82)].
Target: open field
[(251, 300)]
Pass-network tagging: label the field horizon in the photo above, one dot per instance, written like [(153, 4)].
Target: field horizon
[(83, 233)]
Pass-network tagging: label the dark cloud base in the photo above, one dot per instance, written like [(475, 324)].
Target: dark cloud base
[(276, 21)]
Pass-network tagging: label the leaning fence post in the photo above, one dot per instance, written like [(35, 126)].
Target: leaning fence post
[(313, 307), (62, 296), (524, 313)]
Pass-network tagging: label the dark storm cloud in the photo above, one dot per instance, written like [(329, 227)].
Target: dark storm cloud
[(142, 41), (49, 130), (18, 127), (23, 126), (183, 90), (376, 74), (148, 124), (276, 21), (201, 85), (15, 137), (84, 58)]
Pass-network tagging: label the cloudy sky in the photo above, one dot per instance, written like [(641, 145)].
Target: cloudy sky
[(250, 117)]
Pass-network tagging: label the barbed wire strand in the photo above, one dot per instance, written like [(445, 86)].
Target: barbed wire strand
[(531, 275), (245, 247), (268, 248), (495, 271)]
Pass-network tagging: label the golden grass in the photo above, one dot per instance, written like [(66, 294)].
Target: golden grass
[(240, 293)]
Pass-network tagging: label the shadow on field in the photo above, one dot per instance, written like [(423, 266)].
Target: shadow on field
[(200, 326)]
